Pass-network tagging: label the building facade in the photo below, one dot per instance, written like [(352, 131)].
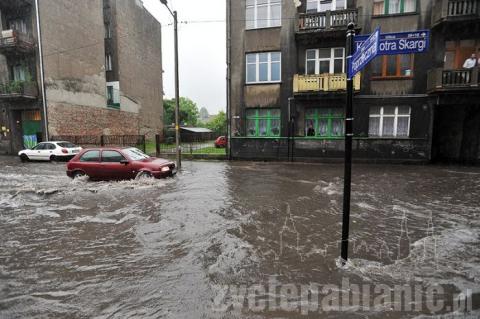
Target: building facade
[(287, 81), (102, 70)]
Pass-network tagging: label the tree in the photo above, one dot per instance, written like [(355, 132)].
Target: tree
[(188, 112), (219, 123)]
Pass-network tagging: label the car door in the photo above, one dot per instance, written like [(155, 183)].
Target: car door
[(35, 154), (113, 168), (48, 151), (89, 162)]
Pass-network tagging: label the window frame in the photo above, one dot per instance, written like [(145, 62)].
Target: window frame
[(331, 60), (395, 116), (316, 117), (257, 67), (257, 118), (386, 8), (398, 66), (269, 19)]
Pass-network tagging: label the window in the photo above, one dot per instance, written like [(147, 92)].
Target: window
[(324, 122), (90, 156), (263, 122), (135, 154), (264, 67), (67, 145), (393, 66), (263, 14), (109, 95), (108, 62), (50, 146), (18, 25), (394, 6), (112, 157), (19, 72), (39, 147), (327, 60), (325, 5), (389, 121)]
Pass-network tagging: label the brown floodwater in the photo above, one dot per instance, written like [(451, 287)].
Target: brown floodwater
[(236, 240)]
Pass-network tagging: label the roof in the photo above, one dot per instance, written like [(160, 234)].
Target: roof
[(197, 129)]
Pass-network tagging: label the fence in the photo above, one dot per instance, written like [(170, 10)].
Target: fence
[(201, 145), (138, 141)]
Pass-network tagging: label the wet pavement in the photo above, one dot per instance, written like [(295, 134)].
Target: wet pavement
[(237, 240)]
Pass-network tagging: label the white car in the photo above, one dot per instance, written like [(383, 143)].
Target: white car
[(50, 151)]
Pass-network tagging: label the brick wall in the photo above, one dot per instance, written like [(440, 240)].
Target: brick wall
[(85, 120)]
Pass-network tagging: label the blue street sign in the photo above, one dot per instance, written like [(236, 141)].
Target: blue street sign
[(365, 52), (400, 42)]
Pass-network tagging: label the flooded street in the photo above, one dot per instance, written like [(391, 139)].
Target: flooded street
[(236, 240)]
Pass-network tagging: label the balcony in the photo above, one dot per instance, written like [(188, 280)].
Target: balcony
[(18, 90), (12, 41), (318, 83), (440, 80), (325, 24), (455, 10)]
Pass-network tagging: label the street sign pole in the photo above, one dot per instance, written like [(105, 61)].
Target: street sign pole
[(348, 149)]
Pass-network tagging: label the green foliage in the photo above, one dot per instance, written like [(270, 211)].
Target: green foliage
[(219, 123), (12, 87), (188, 112)]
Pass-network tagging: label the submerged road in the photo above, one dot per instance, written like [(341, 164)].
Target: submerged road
[(238, 240)]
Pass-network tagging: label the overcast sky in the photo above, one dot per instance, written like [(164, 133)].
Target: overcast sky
[(202, 50)]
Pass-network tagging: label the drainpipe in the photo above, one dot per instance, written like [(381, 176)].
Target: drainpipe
[(42, 73)]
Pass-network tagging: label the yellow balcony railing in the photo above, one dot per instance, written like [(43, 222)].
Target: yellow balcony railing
[(323, 82)]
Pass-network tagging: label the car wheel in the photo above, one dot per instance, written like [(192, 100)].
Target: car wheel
[(53, 158), (143, 174), (24, 158), (78, 174)]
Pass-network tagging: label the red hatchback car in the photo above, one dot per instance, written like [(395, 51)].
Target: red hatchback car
[(117, 164)]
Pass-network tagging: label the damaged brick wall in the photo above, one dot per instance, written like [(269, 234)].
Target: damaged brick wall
[(84, 120)]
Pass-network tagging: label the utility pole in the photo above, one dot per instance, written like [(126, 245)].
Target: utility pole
[(177, 95), (177, 88), (348, 149)]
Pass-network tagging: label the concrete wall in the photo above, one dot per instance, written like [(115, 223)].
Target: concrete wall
[(261, 40), (74, 47), (140, 70), (73, 44)]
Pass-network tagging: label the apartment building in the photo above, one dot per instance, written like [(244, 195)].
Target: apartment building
[(102, 70), (287, 81)]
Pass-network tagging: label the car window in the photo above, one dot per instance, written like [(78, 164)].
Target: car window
[(112, 157), (50, 146), (39, 147), (67, 145), (135, 154), (90, 156)]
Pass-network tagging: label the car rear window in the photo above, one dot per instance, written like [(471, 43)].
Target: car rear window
[(90, 156), (67, 145)]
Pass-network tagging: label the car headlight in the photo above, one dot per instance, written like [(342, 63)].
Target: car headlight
[(165, 169)]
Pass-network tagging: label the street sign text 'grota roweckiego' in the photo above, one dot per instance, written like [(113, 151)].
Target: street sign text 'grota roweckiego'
[(400, 42), (365, 52)]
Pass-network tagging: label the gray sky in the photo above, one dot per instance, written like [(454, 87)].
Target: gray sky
[(202, 50)]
